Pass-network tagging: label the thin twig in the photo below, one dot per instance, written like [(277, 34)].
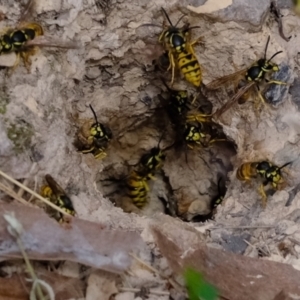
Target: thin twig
[(267, 246), (294, 241), (12, 194), (15, 229), (26, 181), (256, 247), (34, 194), (146, 265), (170, 280), (154, 292), (241, 227)]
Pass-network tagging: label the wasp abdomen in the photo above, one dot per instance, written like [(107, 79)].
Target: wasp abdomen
[(190, 67)]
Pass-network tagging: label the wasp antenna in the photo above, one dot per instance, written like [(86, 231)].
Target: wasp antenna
[(194, 27), (285, 165), (180, 20), (267, 47), (165, 13), (95, 116), (274, 55), (168, 147), (150, 24)]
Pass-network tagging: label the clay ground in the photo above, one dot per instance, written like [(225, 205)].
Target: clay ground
[(112, 70)]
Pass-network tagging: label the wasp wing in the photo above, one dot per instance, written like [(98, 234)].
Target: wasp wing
[(27, 11), (51, 42), (55, 187), (231, 78), (233, 100)]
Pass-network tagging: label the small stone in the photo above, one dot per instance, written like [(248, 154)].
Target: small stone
[(246, 12), (277, 93), (8, 60), (235, 243)]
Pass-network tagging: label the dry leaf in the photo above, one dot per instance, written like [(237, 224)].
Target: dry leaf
[(236, 277), (18, 288), (82, 241)]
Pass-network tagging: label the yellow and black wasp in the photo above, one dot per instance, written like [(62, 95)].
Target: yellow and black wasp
[(178, 103), (93, 137), (252, 78), (202, 133), (25, 37), (267, 171), (192, 125), (215, 201), (55, 193), (152, 161), (178, 51), (177, 41), (137, 188)]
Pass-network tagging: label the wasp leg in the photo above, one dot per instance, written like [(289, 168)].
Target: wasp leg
[(198, 40), (88, 150), (199, 118), (100, 154), (276, 82), (25, 55), (150, 176), (194, 99), (261, 101), (172, 65), (217, 140), (262, 192)]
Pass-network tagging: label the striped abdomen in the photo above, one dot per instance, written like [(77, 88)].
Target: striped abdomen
[(246, 171), (190, 67)]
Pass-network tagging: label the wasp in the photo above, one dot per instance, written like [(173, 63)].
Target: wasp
[(177, 43), (215, 201), (55, 193), (93, 137), (220, 197), (202, 133), (152, 162), (268, 172), (137, 188), (252, 77), (181, 107), (178, 103), (24, 38)]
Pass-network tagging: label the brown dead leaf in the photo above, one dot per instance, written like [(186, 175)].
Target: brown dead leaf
[(14, 288), (81, 241), (236, 277), (18, 288)]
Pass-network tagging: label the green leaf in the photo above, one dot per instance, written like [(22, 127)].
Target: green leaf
[(198, 288)]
